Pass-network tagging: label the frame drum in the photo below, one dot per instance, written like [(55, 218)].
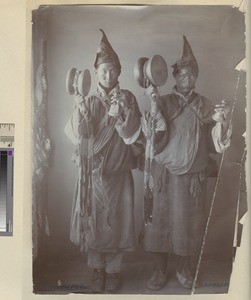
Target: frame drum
[(151, 71), (78, 82), (156, 70)]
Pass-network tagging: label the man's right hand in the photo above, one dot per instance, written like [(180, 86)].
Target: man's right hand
[(79, 101), (153, 93)]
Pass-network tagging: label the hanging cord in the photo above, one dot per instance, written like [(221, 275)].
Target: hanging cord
[(215, 192), (148, 171)]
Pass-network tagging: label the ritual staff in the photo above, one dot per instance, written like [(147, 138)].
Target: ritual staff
[(107, 125), (186, 134)]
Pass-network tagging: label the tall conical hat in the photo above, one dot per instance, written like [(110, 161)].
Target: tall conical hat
[(187, 59), (105, 53)]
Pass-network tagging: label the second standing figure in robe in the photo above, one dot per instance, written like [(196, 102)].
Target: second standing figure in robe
[(185, 136)]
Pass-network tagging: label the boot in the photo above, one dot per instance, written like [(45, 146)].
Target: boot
[(159, 276), (184, 272), (97, 280), (111, 282)]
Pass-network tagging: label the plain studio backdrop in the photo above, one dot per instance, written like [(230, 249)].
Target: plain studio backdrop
[(216, 35)]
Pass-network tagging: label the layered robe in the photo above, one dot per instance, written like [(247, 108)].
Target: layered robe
[(110, 223), (185, 136)]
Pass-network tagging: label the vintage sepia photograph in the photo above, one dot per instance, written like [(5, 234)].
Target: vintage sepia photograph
[(138, 148)]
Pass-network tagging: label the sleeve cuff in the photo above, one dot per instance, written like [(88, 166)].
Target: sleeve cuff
[(133, 138)]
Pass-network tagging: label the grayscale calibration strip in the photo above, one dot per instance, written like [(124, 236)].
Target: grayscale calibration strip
[(6, 178)]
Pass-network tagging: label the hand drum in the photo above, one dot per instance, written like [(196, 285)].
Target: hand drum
[(151, 71), (78, 82)]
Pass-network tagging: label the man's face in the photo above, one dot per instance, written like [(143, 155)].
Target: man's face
[(185, 80), (107, 74)]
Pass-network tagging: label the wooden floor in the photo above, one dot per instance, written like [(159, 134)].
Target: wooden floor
[(73, 277)]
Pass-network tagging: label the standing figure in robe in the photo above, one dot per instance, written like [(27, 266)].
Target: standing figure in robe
[(107, 126), (186, 134)]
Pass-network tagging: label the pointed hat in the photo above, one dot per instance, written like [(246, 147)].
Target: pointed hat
[(187, 59), (105, 53)]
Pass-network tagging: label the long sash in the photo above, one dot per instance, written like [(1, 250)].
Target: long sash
[(148, 171), (89, 147)]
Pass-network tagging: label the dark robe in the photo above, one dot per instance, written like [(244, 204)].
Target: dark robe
[(110, 225), (180, 169)]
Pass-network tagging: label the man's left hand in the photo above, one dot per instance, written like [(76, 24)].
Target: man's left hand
[(121, 99), (222, 111)]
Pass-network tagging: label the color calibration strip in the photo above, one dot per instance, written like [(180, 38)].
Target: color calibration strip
[(6, 178)]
